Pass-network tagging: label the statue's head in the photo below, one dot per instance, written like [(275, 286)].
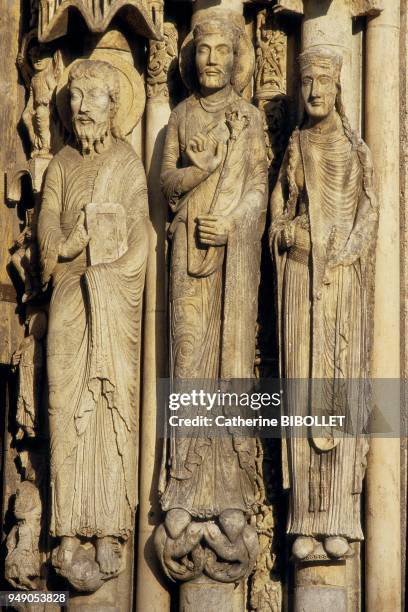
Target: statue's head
[(40, 57), (94, 99), (320, 69), (215, 41)]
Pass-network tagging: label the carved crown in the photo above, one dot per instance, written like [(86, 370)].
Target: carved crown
[(324, 57)]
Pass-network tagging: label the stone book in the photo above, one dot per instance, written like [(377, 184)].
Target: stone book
[(106, 225)]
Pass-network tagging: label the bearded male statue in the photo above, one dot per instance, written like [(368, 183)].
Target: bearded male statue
[(214, 175), (92, 232)]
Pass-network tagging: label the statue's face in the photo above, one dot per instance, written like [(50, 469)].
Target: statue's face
[(40, 58), (214, 61), (319, 91), (91, 107), (90, 101)]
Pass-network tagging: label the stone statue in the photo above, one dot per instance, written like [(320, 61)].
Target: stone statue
[(23, 562), (214, 176), (322, 236), (92, 231), (28, 360), (24, 258), (45, 67), (270, 54)]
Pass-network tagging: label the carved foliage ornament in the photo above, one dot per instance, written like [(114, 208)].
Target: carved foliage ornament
[(162, 63)]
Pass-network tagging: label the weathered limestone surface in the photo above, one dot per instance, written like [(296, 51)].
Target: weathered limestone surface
[(141, 143), (383, 470)]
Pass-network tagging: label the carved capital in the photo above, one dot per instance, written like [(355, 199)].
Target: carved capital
[(359, 8), (289, 6)]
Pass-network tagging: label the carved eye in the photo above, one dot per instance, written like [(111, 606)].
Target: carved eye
[(223, 49), (324, 80)]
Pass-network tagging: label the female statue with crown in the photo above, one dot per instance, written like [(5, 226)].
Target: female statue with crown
[(322, 237)]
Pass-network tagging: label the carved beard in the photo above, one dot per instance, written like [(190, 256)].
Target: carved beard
[(91, 136)]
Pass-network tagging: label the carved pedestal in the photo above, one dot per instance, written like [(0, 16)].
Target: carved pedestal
[(320, 587), (206, 595)]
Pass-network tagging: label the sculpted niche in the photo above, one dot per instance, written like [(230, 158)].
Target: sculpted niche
[(92, 233), (214, 176), (323, 233)]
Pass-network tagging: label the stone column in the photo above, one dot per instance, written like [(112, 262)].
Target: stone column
[(151, 592), (383, 556), (206, 595), (10, 330)]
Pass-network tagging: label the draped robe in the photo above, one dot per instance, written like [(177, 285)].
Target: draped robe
[(324, 324), (213, 294), (93, 345)]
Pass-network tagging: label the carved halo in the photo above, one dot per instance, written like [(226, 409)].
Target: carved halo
[(244, 63), (131, 96)]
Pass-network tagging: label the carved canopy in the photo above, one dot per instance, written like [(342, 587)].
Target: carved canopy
[(53, 16)]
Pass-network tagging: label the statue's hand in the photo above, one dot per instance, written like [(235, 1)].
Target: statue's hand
[(213, 230), (76, 241), (341, 259), (16, 358), (349, 254), (205, 152)]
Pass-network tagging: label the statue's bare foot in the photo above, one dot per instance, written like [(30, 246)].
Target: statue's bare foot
[(336, 546), (109, 554), (66, 550), (302, 547)]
